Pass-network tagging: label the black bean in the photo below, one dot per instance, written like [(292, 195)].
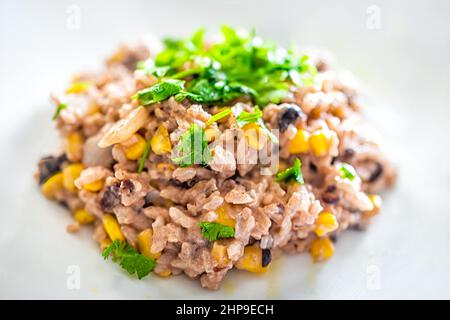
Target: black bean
[(313, 167), (192, 182), (288, 117), (49, 165), (376, 174), (150, 198), (333, 160), (266, 257), (110, 198), (333, 238), (330, 198), (130, 62), (127, 185), (348, 153), (357, 227), (63, 204)]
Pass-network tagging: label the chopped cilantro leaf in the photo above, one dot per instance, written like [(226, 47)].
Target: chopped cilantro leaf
[(129, 259), (58, 110), (292, 173), (347, 171), (192, 148), (144, 156), (159, 92), (222, 114), (213, 231)]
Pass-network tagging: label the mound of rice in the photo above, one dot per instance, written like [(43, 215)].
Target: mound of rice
[(158, 208)]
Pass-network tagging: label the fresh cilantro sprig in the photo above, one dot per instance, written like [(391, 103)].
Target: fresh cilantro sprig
[(292, 173), (220, 115), (249, 117), (347, 171), (245, 118), (144, 156), (58, 110), (148, 66), (241, 65), (192, 148), (159, 92), (213, 231), (129, 259)]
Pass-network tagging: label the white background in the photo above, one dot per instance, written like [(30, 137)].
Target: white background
[(404, 65)]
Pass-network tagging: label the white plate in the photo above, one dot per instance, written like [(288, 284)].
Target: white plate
[(405, 64)]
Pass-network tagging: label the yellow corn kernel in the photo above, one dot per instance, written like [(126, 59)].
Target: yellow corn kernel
[(255, 137), (211, 134), (339, 112), (83, 217), (112, 227), (94, 186), (251, 260), (321, 249), (74, 146), (116, 57), (319, 142), (78, 87), (168, 203), (377, 203), (164, 274), (165, 166), (93, 109), (315, 113), (145, 243), (70, 174), (219, 254), (52, 185), (326, 222), (223, 217), (135, 151), (105, 243), (160, 142), (299, 144)]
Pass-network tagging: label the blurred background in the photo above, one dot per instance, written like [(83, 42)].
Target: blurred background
[(399, 50)]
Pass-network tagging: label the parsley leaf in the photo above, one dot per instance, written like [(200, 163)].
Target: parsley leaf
[(192, 147), (255, 117), (213, 231), (347, 171), (148, 66), (129, 259), (222, 114), (159, 92), (249, 117), (292, 173), (59, 108), (240, 65), (144, 156)]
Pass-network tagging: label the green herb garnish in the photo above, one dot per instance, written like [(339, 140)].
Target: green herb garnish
[(192, 147), (222, 114), (149, 67), (144, 156), (58, 110), (241, 65), (347, 171), (213, 231), (292, 173), (255, 117), (249, 117), (129, 259), (159, 92)]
